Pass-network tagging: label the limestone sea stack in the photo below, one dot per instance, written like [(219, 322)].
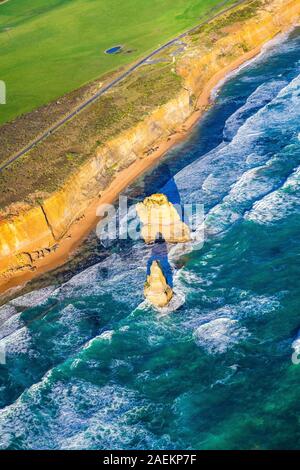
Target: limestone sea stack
[(156, 288), (160, 218)]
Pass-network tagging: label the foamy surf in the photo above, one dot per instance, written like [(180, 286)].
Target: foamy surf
[(217, 336), (266, 50)]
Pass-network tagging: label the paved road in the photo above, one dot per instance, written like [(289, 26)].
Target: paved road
[(114, 82)]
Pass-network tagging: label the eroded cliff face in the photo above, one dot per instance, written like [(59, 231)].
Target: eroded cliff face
[(34, 232), (23, 239), (236, 40)]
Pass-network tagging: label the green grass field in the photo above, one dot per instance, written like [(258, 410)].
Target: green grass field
[(49, 48)]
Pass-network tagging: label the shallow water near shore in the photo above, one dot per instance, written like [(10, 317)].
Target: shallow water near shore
[(90, 365)]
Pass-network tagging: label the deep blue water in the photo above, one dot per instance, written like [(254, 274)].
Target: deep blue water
[(89, 365)]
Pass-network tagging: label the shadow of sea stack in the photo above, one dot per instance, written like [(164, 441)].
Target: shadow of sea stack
[(156, 289)]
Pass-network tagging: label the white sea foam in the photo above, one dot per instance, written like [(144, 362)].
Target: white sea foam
[(252, 184), (266, 50), (69, 316), (116, 276), (176, 302), (222, 328), (259, 98), (191, 279), (18, 342), (257, 306), (6, 312), (180, 249), (278, 204), (76, 415), (70, 334), (106, 335), (296, 347), (34, 298), (232, 177), (11, 325)]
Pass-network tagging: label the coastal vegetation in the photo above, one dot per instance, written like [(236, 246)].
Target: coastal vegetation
[(240, 13), (51, 48)]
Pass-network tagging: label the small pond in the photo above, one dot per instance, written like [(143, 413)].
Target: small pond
[(113, 50)]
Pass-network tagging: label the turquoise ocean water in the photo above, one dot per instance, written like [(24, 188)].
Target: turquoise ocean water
[(90, 366)]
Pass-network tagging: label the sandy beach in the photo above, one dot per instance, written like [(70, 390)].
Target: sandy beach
[(80, 229)]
